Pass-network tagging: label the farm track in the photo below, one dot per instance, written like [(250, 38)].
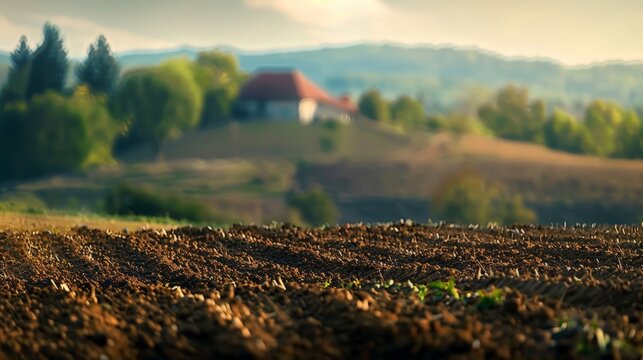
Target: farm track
[(285, 292)]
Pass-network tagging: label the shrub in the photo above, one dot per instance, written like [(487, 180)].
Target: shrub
[(53, 133), (331, 136), (313, 207), (468, 198), (465, 198), (128, 200), (457, 124), (373, 105), (22, 202)]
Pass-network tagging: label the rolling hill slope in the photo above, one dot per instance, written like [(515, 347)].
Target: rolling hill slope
[(373, 174)]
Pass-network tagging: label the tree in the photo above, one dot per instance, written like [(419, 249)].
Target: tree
[(408, 112), (219, 76), (468, 199), (21, 56), (16, 87), (54, 133), (464, 198), (314, 206), (601, 119), (374, 106), (102, 128), (100, 70), (563, 132), (49, 64), (12, 117), (628, 139), (158, 103), (225, 65), (510, 115)]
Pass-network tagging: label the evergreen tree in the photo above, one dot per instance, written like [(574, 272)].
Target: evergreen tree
[(100, 70), (21, 56), (49, 63), (16, 86)]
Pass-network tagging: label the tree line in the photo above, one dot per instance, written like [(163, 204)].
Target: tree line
[(605, 128), (47, 125)]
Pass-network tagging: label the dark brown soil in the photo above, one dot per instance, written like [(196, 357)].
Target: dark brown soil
[(343, 292)]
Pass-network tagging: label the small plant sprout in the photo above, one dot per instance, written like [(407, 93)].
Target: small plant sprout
[(385, 284), (422, 291), (445, 287), (489, 299), (353, 284)]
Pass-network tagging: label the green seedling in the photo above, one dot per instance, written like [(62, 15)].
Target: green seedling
[(326, 284), (353, 284), (583, 346), (592, 337), (445, 288), (385, 284), (422, 291), (489, 299)]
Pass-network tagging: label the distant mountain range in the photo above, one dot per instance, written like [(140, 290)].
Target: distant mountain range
[(439, 75)]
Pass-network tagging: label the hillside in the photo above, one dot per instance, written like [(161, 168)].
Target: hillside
[(439, 75), (373, 174)]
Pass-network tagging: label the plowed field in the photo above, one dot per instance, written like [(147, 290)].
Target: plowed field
[(393, 291)]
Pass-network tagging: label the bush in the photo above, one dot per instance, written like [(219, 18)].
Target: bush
[(457, 124), (312, 207), (467, 198), (53, 133), (128, 200), (22, 202), (374, 106), (331, 136)]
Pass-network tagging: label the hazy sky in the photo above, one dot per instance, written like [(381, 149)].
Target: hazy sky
[(572, 31)]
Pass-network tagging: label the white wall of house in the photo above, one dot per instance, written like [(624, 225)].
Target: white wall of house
[(307, 110)]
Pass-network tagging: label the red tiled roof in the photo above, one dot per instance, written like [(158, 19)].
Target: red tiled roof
[(288, 86)]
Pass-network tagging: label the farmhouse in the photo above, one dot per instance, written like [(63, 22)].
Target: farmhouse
[(290, 96)]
